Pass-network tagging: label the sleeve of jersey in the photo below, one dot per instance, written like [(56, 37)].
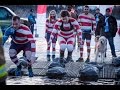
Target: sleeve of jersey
[(55, 30), (94, 23), (8, 32), (79, 20), (33, 44), (77, 27)]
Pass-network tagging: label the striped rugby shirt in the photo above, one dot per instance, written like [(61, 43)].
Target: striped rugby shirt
[(87, 22), (68, 33)]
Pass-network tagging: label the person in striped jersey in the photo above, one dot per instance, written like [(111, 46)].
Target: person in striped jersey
[(49, 27), (74, 14), (22, 39), (88, 27), (66, 29)]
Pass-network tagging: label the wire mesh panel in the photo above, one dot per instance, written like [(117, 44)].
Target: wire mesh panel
[(72, 69)]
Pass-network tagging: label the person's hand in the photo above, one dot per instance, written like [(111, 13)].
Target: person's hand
[(31, 62)]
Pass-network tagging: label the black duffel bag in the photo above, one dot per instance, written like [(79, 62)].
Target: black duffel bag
[(116, 61), (11, 71), (117, 73), (56, 72), (89, 72)]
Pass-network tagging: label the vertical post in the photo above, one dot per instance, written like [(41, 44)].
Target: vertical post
[(41, 19)]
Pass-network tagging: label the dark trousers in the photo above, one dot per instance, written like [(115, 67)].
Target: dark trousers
[(32, 28), (112, 46)]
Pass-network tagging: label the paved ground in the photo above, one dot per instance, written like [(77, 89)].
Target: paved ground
[(41, 53)]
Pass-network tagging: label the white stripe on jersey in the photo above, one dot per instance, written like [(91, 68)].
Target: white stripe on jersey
[(66, 25), (75, 23), (86, 27), (20, 38), (50, 24), (30, 39), (49, 29), (23, 32), (85, 20)]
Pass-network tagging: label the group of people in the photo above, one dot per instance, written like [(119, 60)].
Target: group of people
[(65, 29), (71, 26)]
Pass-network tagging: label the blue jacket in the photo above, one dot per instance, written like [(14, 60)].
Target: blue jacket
[(31, 19)]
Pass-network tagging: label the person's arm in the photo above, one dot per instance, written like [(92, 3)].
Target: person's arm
[(79, 20), (9, 31), (78, 30), (54, 31), (115, 25), (93, 23), (46, 28)]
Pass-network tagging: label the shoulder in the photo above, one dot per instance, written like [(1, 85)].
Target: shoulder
[(72, 20), (10, 30), (81, 14), (112, 17), (59, 21), (24, 27), (101, 15)]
